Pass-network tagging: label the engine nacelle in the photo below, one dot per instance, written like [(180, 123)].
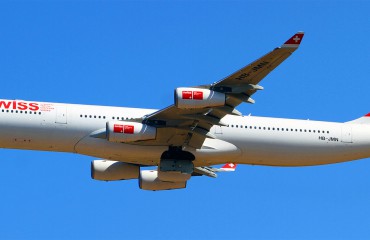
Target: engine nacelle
[(171, 176), (118, 131), (190, 98), (149, 180), (107, 170)]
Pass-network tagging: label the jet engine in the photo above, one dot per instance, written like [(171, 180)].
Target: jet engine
[(190, 98), (124, 132), (148, 180), (107, 170)]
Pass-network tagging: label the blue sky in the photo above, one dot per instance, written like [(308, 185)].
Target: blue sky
[(128, 53)]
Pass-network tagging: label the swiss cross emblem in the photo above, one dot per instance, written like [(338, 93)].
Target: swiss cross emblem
[(187, 95), (118, 128), (128, 129), (296, 39), (198, 95)]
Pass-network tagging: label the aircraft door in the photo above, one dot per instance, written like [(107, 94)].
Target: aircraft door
[(61, 115), (218, 129), (346, 134)]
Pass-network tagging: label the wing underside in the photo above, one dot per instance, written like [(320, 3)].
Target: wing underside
[(190, 126), (186, 124)]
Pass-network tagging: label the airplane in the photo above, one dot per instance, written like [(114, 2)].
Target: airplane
[(202, 128)]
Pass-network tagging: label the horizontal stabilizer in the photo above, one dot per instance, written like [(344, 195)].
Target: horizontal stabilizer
[(211, 171)]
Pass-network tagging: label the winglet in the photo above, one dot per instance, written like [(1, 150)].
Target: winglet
[(229, 167), (294, 41)]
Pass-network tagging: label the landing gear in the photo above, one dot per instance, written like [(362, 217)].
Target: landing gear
[(176, 165)]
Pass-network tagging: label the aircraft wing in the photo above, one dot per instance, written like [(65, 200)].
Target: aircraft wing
[(252, 74), (189, 127)]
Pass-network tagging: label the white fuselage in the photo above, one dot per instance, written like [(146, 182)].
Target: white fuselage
[(246, 139)]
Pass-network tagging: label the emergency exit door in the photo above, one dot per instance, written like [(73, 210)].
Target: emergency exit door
[(346, 134), (61, 114)]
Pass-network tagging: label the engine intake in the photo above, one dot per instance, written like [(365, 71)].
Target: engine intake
[(124, 132), (191, 98)]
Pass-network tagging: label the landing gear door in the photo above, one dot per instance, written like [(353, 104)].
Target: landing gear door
[(61, 114), (346, 134)]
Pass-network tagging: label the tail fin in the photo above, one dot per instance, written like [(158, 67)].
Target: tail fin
[(211, 172), (229, 167), (362, 120)]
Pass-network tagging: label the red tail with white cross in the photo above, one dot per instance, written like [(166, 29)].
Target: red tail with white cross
[(229, 167), (294, 41)]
